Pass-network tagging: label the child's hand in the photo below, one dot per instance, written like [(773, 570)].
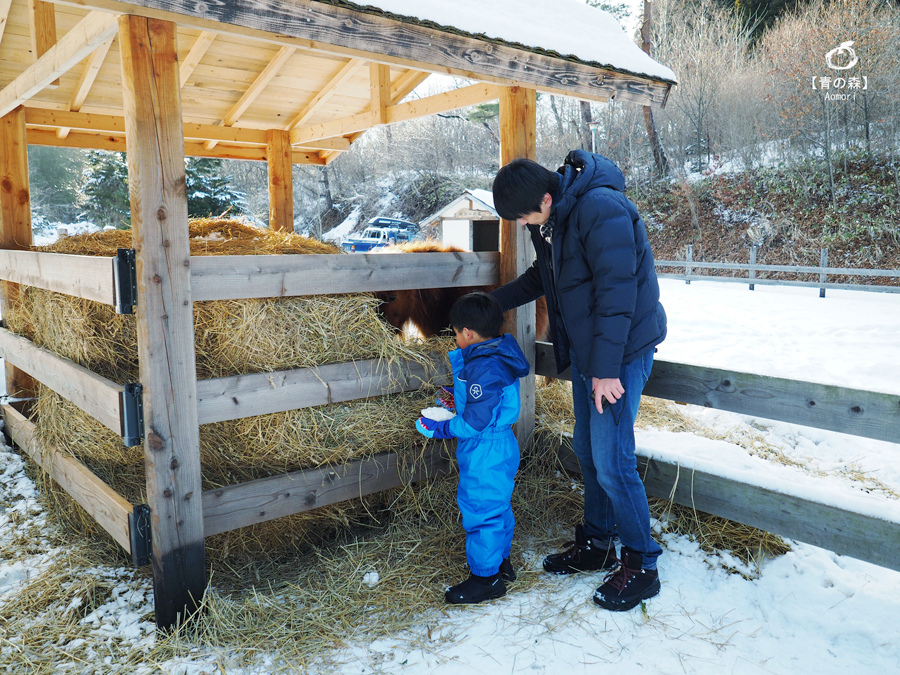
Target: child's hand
[(445, 399), (432, 429)]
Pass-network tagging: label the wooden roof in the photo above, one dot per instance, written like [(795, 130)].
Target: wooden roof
[(325, 71)]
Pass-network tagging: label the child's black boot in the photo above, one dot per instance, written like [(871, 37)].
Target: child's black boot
[(581, 555), (476, 589), (507, 572), (628, 584)]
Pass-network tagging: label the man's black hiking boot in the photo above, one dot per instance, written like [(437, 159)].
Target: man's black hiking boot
[(476, 589), (628, 584), (581, 555), (507, 573)]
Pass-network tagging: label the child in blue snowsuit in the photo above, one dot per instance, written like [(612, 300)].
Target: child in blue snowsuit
[(486, 371)]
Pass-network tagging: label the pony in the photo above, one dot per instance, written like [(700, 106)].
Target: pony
[(428, 309)]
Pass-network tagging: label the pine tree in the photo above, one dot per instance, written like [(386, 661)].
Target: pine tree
[(103, 195), (104, 199)]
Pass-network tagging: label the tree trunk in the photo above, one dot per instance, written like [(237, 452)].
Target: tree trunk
[(826, 118), (586, 119), (659, 153)]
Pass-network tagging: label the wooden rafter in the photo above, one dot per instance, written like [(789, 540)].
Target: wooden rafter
[(255, 89), (91, 32), (195, 55), (326, 92), (4, 16), (88, 75), (42, 17), (451, 100), (399, 90)]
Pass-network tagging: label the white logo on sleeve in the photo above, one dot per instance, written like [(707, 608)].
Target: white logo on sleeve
[(475, 391)]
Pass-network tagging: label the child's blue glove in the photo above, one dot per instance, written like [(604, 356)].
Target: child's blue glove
[(430, 428), (445, 399)]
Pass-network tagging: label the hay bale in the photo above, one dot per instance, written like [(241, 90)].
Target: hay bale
[(232, 337)]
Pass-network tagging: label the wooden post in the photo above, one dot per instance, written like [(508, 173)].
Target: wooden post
[(281, 180), (688, 257), (752, 272), (518, 139), (156, 180), (15, 222), (823, 278)]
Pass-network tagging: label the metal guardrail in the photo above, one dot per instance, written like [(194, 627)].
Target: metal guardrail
[(752, 268)]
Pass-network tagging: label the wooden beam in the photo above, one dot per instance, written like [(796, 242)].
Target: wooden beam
[(195, 55), (379, 91), (4, 16), (281, 180), (117, 143), (15, 224), (850, 411), (254, 90), (346, 71), (104, 504), (846, 532), (229, 508), (165, 331), (88, 75), (430, 105), (83, 276), (332, 29), (405, 84), (42, 17), (229, 398), (95, 395), (518, 138), (269, 276), (88, 34)]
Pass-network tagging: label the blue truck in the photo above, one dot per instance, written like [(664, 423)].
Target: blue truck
[(381, 231)]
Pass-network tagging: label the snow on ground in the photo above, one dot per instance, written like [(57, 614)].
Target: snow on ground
[(807, 611)]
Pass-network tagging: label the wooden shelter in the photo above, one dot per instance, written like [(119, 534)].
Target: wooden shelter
[(286, 81)]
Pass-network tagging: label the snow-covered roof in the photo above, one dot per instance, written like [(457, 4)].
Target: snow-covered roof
[(569, 28), (483, 197)]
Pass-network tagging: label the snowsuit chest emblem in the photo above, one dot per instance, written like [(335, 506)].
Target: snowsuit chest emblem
[(475, 391)]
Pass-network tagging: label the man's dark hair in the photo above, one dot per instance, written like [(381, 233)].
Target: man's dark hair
[(479, 312), (520, 186)]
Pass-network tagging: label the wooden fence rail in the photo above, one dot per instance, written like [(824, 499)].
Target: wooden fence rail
[(752, 268), (866, 414), (869, 414)]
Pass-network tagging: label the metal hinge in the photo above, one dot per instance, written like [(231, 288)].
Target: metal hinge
[(132, 405), (125, 276), (139, 533)]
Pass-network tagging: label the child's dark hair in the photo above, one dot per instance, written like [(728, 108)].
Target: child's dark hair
[(479, 312), (520, 186)]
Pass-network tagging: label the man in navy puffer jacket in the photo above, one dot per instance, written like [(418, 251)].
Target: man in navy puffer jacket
[(595, 267)]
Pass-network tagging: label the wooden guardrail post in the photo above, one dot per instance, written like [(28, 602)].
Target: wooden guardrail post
[(823, 277), (752, 271), (165, 331), (688, 258)]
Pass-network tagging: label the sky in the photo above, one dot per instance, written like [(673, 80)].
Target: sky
[(809, 611)]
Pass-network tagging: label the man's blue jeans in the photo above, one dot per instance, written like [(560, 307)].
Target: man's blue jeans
[(615, 502)]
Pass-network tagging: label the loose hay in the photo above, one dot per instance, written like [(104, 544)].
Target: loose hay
[(232, 337)]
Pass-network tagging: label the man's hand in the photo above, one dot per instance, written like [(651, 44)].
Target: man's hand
[(609, 388)]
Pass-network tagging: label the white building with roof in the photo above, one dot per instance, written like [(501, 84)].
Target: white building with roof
[(469, 222)]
